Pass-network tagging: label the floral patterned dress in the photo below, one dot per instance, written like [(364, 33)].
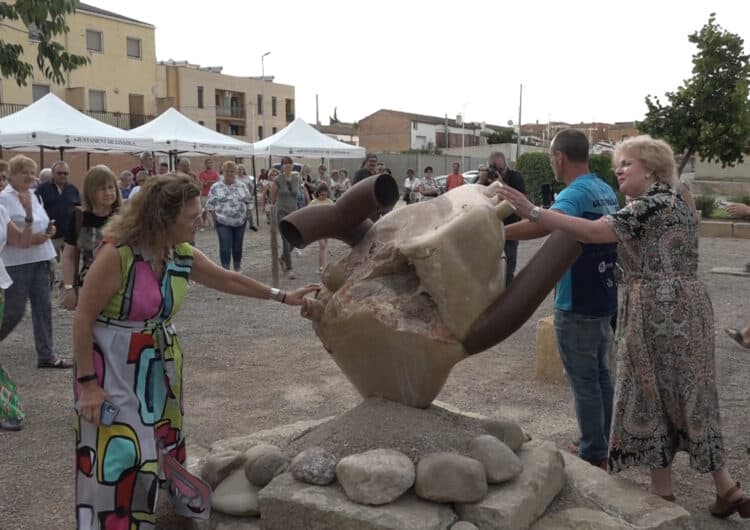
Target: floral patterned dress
[(665, 396)]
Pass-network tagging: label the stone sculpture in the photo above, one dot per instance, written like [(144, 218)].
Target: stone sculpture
[(421, 289)]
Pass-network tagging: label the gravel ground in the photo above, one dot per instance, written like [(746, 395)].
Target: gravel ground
[(253, 365)]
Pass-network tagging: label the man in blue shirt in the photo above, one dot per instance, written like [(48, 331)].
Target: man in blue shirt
[(586, 296)]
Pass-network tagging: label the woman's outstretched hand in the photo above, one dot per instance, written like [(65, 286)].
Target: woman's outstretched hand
[(297, 297)]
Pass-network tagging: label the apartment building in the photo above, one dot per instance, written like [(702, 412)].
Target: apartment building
[(119, 84), (250, 108)]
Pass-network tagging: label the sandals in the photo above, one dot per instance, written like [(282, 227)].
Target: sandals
[(736, 336), (723, 507), (55, 363), (11, 424)]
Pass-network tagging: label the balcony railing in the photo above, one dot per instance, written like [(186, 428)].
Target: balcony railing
[(230, 112), (117, 119), (7, 109)]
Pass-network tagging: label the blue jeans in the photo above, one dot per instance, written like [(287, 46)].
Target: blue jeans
[(584, 344), (30, 282), (230, 244)]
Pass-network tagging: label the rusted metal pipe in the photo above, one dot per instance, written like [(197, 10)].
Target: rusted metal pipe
[(529, 289), (348, 219)]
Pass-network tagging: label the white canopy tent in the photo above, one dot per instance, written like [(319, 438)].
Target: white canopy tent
[(52, 123), (175, 133), (300, 139)]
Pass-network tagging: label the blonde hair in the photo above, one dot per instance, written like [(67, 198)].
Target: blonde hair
[(97, 178), (655, 155), (228, 164), (145, 219), (20, 162)]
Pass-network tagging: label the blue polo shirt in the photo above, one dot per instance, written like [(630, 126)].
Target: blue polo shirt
[(588, 287)]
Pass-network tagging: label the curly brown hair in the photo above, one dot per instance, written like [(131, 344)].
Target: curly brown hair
[(145, 219)]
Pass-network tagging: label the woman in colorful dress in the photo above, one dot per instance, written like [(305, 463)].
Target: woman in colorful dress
[(128, 353), (84, 234), (227, 203), (11, 412), (665, 398)]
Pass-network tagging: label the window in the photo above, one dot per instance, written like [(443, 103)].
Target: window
[(273, 106), (414, 125), (260, 132), (274, 130), (236, 130), (94, 41), (260, 103), (200, 97), (39, 91), (34, 33), (200, 122), (97, 101), (134, 48)]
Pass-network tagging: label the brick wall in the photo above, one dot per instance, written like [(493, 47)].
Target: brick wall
[(385, 131)]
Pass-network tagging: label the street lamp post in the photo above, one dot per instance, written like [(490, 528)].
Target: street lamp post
[(262, 109)]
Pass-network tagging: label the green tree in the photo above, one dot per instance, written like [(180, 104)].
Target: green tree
[(709, 114), (46, 20), (537, 171), (503, 136)]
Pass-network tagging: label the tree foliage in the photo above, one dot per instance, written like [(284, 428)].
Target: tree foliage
[(503, 136), (709, 114), (46, 19), (537, 171)]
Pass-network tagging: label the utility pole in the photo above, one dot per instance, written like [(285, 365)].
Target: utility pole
[(261, 109), (518, 138)]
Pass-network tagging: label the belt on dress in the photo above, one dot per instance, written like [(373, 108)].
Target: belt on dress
[(162, 331)]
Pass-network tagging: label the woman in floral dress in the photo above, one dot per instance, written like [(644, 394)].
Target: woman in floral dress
[(665, 398), (128, 353)]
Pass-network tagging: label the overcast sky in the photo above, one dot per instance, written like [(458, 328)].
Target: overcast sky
[(577, 60)]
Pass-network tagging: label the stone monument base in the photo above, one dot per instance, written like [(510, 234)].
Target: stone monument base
[(553, 490)]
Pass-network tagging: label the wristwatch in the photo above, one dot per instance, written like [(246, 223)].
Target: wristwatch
[(275, 294), (29, 220), (534, 214)]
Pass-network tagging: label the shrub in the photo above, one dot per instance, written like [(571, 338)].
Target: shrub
[(706, 204), (536, 171), (742, 199)]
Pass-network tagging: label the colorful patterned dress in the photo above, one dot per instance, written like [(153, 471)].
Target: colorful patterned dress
[(665, 396), (138, 363)]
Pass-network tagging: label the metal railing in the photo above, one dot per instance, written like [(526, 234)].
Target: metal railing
[(9, 108), (230, 111), (121, 120)]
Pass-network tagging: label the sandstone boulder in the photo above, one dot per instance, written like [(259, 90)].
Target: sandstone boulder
[(376, 477), (395, 310), (263, 464), (314, 465), (500, 463), (236, 496), (450, 477), (217, 466), (508, 432)]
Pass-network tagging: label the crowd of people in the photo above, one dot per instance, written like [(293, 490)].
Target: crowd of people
[(142, 224)]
